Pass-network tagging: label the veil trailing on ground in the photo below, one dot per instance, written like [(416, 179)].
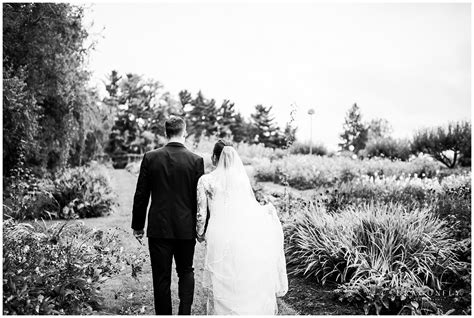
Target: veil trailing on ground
[(245, 264)]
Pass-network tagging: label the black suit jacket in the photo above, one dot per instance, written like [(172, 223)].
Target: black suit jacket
[(170, 174)]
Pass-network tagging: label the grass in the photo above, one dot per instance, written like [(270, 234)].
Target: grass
[(307, 302)]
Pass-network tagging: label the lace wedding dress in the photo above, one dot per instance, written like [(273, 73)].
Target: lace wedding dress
[(245, 268)]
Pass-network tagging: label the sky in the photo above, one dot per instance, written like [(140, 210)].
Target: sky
[(407, 63)]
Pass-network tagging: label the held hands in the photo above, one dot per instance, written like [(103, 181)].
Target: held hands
[(139, 235)]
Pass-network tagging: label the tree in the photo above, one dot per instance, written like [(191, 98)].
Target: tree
[(20, 121), (379, 128), (226, 119), (202, 119), (242, 130), (47, 42), (447, 144), (355, 133), (289, 135), (141, 107), (265, 128)]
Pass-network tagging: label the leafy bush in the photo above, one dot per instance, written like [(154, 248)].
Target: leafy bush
[(306, 172), (407, 191), (84, 192), (299, 148), (454, 205), (387, 148), (56, 269), (20, 124), (77, 193), (373, 243), (393, 293), (28, 197)]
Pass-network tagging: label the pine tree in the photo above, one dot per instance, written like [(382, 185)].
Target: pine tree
[(202, 118), (226, 119), (355, 133), (265, 128), (242, 130)]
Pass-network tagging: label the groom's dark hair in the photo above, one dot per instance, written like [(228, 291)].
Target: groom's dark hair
[(174, 126)]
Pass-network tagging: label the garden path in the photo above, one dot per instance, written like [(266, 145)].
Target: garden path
[(125, 295)]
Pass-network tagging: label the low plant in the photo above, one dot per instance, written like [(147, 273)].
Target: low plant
[(57, 269), (309, 172), (299, 148), (83, 192), (370, 243), (76, 193)]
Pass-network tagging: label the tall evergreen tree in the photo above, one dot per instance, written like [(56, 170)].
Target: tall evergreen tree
[(264, 125), (202, 118), (355, 132), (242, 129), (226, 119)]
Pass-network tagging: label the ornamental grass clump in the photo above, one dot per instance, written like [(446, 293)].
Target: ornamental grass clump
[(384, 245)]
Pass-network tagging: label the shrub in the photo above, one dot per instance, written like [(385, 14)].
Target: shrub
[(77, 193), (29, 197), (372, 243), (56, 269), (393, 293), (407, 191), (299, 148), (387, 148), (454, 205), (20, 124), (306, 172), (84, 192)]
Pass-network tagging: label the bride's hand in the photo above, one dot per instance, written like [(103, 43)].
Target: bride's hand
[(200, 239)]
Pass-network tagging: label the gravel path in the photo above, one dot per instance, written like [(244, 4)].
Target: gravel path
[(125, 295)]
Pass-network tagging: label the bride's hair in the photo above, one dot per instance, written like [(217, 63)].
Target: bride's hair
[(220, 144)]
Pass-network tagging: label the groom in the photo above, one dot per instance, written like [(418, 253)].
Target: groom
[(170, 174)]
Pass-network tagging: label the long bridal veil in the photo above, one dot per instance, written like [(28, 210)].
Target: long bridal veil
[(245, 265)]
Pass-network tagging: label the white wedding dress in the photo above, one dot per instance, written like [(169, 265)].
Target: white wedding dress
[(245, 268)]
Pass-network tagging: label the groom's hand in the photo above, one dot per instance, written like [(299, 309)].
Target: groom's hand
[(139, 235), (200, 239)]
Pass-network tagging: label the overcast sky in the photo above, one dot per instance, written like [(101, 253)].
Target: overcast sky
[(407, 63)]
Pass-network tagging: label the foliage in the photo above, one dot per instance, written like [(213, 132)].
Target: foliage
[(385, 254), (141, 107), (29, 197), (47, 42), (454, 205), (447, 144), (306, 172), (20, 116), (387, 147), (355, 132), (266, 132), (409, 191), (57, 269), (395, 293), (83, 193), (76, 193), (378, 128), (202, 117), (299, 148)]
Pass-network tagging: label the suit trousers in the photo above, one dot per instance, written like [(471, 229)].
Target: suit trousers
[(162, 252)]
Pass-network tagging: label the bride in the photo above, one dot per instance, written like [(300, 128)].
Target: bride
[(245, 268)]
